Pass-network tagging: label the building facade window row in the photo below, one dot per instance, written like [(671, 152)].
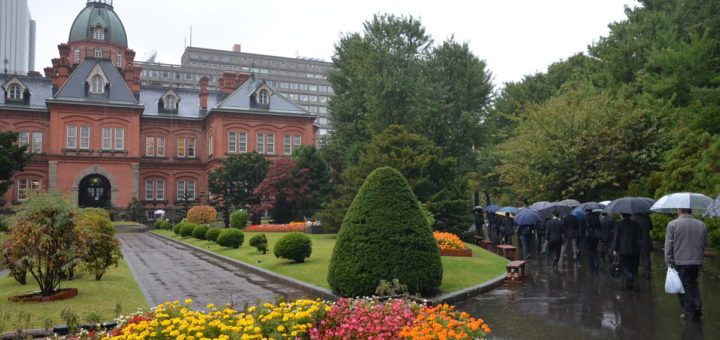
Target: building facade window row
[(27, 185), (78, 137), (155, 189), (33, 140)]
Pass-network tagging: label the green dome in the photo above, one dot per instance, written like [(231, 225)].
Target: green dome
[(98, 13)]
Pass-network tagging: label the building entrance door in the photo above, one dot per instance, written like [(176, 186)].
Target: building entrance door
[(94, 192)]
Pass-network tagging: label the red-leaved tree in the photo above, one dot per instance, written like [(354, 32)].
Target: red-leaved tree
[(284, 191)]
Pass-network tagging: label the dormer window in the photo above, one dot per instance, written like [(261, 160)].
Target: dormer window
[(98, 53), (98, 33), (169, 102), (263, 97), (14, 92), (97, 85)]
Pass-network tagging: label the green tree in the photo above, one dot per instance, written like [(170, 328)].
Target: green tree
[(319, 178), (432, 177), (12, 158), (100, 248), (232, 184), (385, 236)]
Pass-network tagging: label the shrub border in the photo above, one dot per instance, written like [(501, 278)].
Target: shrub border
[(63, 293), (465, 252)]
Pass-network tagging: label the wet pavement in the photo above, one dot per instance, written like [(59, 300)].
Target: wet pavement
[(168, 271), (570, 303)]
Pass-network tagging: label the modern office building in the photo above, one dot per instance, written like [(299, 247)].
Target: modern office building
[(17, 37), (303, 80), (101, 137)]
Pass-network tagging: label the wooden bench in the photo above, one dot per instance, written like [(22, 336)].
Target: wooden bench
[(515, 272), (507, 251), (478, 239), (486, 244)]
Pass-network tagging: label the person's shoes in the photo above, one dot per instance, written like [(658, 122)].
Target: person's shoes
[(698, 313)]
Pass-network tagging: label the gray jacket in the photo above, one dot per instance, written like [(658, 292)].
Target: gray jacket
[(685, 241)]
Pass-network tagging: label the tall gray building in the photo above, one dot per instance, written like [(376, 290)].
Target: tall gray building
[(17, 37), (303, 80)]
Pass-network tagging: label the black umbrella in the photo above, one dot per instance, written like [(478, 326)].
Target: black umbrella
[(571, 203), (549, 209), (477, 208), (539, 205), (630, 205), (527, 217)]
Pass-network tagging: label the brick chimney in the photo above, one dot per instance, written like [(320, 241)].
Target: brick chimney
[(61, 69), (230, 81), (203, 92), (236, 48)]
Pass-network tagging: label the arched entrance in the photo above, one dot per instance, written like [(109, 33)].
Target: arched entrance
[(94, 191)]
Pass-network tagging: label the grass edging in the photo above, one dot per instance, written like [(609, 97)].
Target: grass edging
[(320, 292), (466, 293)]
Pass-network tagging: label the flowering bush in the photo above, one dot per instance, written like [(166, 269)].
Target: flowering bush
[(366, 319), (444, 322), (277, 228), (448, 241), (176, 321), (202, 214)]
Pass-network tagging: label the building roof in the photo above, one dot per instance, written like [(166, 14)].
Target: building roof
[(188, 105), (241, 100), (40, 90), (75, 88), (98, 12)]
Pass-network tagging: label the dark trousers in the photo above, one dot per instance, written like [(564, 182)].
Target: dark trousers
[(591, 244), (554, 250), (540, 241), (525, 244), (645, 262), (690, 301), (629, 264)]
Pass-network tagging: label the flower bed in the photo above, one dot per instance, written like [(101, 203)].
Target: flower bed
[(448, 240), (465, 252), (360, 318), (62, 294), (276, 228)]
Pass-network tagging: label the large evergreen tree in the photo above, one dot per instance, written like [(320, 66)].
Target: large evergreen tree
[(12, 158), (232, 185)]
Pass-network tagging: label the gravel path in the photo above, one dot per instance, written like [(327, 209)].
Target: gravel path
[(167, 271)]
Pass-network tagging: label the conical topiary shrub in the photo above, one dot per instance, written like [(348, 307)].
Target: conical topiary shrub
[(384, 236)]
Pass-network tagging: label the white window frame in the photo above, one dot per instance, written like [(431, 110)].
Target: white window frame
[(150, 146), (15, 92), (160, 143), (97, 85), (263, 97), (297, 141), (160, 190), (27, 185), (118, 59), (288, 145), (170, 103), (84, 137), (76, 56), (232, 142), (24, 139), (260, 146), (71, 137), (98, 33), (119, 138), (107, 138), (181, 145), (184, 186), (98, 53), (149, 190), (210, 146), (270, 143), (242, 142), (36, 141), (191, 148)]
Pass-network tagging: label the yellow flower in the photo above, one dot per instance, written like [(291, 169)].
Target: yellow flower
[(281, 328), (211, 306), (188, 301)]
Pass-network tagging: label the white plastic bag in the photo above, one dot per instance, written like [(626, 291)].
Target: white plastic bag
[(673, 285)]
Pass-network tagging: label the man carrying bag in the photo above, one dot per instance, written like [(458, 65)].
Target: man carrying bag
[(685, 241)]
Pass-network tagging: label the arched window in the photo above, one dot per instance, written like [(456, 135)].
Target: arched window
[(263, 97), (97, 85), (170, 103), (14, 92), (99, 33)]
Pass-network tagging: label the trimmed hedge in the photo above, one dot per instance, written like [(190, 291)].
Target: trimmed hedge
[(212, 234), (293, 246), (162, 224), (260, 242), (232, 238), (202, 214), (200, 231), (176, 228), (238, 219), (385, 236), (187, 229)]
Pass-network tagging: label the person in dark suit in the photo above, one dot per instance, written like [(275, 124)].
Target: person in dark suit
[(570, 230), (592, 233), (540, 233), (627, 235), (508, 228), (645, 243), (479, 221), (607, 227), (554, 237), (493, 226)]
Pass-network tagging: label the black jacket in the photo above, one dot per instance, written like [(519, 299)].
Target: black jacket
[(607, 227), (554, 231), (627, 235), (570, 226), (645, 243), (509, 225), (582, 225), (593, 226)]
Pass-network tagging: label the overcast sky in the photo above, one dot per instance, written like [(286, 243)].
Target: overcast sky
[(514, 37)]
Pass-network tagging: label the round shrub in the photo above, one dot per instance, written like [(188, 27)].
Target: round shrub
[(293, 246), (162, 224), (385, 236), (260, 242), (238, 219), (176, 228), (187, 229), (232, 238), (202, 214), (200, 231), (212, 234)]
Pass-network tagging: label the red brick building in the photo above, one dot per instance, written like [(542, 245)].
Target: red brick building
[(102, 138)]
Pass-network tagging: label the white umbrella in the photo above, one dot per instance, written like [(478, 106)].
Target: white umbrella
[(682, 200), (159, 212), (605, 203)]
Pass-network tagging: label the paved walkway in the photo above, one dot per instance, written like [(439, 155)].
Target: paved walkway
[(167, 271)]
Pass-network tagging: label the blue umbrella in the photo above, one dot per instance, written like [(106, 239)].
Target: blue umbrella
[(528, 217), (492, 208), (509, 209), (578, 212)]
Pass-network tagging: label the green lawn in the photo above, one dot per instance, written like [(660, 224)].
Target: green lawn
[(117, 286), (459, 272), (117, 223)]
